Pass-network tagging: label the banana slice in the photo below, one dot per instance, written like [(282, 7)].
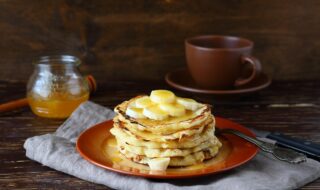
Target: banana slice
[(188, 103), (162, 96), (143, 102), (135, 112), (173, 109), (159, 163), (154, 112)]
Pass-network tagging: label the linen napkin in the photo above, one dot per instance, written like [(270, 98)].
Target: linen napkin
[(57, 151)]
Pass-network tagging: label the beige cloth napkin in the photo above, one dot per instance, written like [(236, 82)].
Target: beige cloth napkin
[(57, 151)]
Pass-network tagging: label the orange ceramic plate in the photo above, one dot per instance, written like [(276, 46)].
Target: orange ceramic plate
[(97, 146)]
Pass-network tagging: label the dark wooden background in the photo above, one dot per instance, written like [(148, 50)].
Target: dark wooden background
[(129, 41), (141, 39)]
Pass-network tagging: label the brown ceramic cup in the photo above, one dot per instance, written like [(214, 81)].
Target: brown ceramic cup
[(219, 62)]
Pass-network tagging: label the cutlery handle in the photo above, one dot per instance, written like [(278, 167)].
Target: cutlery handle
[(310, 148)]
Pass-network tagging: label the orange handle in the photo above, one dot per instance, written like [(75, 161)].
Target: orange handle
[(15, 104)]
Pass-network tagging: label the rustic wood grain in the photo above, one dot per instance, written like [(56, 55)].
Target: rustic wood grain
[(291, 107), (144, 39)]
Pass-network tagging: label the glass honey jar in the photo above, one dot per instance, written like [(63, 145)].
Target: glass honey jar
[(56, 87)]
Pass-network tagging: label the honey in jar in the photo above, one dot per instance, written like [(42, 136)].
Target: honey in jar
[(56, 88)]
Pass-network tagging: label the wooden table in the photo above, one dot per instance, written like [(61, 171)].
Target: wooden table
[(291, 107)]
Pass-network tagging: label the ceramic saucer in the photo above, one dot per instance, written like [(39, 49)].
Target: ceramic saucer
[(181, 79)]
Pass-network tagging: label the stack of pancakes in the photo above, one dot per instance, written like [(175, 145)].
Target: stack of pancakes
[(175, 141)]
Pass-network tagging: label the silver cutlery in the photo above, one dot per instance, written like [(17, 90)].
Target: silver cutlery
[(283, 154)]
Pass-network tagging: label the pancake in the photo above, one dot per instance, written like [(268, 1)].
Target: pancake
[(163, 130), (188, 160), (136, 127), (167, 126), (188, 142), (162, 138), (167, 152)]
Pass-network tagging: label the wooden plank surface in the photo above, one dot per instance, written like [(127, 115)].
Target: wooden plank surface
[(141, 39), (291, 107)]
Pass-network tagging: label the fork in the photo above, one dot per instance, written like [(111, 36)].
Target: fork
[(283, 154)]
